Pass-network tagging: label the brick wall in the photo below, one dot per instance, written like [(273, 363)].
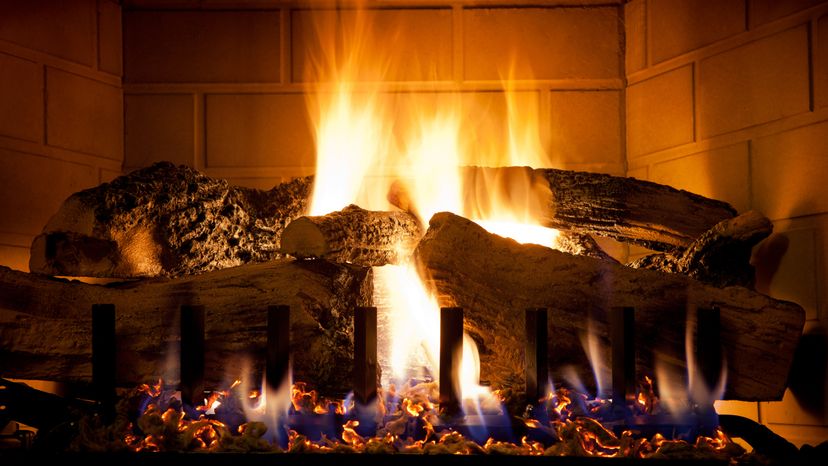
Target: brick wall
[(61, 111), (728, 98), (218, 85)]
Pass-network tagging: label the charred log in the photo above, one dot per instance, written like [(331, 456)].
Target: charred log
[(494, 279), (354, 235), (641, 212), (720, 257), (46, 322), (655, 216), (166, 221)]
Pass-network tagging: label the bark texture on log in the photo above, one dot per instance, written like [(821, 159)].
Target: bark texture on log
[(720, 257), (656, 216), (354, 235), (45, 323), (494, 279), (166, 221)]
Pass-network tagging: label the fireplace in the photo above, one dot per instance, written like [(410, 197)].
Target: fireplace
[(723, 99)]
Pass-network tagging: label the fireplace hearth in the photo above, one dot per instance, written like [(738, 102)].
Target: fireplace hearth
[(443, 412), (364, 228)]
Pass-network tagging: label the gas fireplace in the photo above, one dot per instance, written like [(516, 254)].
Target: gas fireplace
[(568, 228)]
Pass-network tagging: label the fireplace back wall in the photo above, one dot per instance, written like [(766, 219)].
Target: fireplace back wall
[(724, 98)]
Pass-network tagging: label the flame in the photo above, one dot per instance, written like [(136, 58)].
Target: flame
[(351, 128), (271, 407), (591, 343), (164, 426), (373, 142), (698, 390), (349, 434)]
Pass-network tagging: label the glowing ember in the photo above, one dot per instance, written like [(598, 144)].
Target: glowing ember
[(410, 425)]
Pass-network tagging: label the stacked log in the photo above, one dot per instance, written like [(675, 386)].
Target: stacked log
[(177, 223), (494, 279), (166, 220), (46, 322)]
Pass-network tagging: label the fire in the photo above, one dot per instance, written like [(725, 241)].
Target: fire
[(372, 143), (349, 435), (367, 150), (411, 426)]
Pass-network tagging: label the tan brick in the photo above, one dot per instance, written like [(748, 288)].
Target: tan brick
[(660, 112), (32, 188), (756, 83), (821, 64), (15, 257), (765, 11), (635, 29), (261, 130), (800, 411), (480, 118), (108, 175), (641, 173), (62, 29), (748, 409), (397, 45), (485, 126), (21, 98), (110, 43), (158, 127), (541, 43), (485, 130), (201, 46), (586, 127), (718, 174), (679, 26), (789, 171), (800, 435), (84, 115), (786, 267)]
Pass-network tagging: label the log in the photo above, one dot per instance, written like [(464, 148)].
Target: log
[(720, 257), (354, 235), (45, 323), (165, 220), (494, 279), (652, 215)]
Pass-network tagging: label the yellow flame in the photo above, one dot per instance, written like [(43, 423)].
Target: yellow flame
[(369, 137), (352, 127), (350, 435), (272, 405)]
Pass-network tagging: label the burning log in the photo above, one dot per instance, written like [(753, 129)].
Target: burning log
[(650, 214), (720, 257), (45, 332), (656, 216), (168, 221), (495, 278), (174, 221), (354, 235)]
